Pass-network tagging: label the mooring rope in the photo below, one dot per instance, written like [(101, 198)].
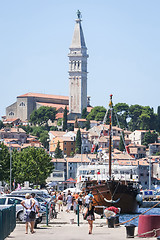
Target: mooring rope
[(152, 231), (138, 215)]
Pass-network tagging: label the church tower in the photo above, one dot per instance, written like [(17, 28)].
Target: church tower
[(77, 71)]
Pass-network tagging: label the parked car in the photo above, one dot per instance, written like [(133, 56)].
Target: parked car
[(7, 201), (41, 193)]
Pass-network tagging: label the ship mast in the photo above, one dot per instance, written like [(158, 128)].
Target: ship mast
[(110, 136)]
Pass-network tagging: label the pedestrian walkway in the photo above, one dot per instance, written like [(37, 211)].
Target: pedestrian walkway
[(61, 228)]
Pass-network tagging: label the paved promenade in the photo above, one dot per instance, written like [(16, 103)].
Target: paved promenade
[(61, 229)]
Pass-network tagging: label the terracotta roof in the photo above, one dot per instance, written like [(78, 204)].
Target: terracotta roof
[(13, 130), (10, 120), (59, 115), (89, 109), (58, 160), (13, 145), (41, 95), (154, 144), (66, 139), (136, 145), (57, 133), (70, 121)]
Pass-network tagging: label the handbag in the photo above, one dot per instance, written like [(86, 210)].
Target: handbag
[(32, 214)]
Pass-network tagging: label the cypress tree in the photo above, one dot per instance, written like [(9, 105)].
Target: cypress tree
[(58, 151), (65, 119), (87, 125), (78, 142)]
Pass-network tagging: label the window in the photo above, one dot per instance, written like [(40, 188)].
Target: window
[(13, 200), (141, 174), (71, 149), (65, 149), (71, 143), (64, 143), (11, 113), (2, 201), (145, 183), (22, 104)]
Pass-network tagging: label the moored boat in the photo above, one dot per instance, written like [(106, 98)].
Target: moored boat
[(106, 188)]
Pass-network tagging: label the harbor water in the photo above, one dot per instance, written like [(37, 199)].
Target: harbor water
[(125, 217)]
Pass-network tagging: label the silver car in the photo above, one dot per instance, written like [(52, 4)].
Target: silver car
[(6, 201)]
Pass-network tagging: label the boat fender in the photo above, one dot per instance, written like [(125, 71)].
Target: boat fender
[(139, 198), (111, 201)]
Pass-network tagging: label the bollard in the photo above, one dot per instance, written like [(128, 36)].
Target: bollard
[(116, 220), (130, 230), (110, 222), (78, 214), (47, 214)]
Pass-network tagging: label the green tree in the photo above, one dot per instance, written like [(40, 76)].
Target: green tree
[(31, 164), (42, 115), (121, 109), (150, 137), (78, 142), (134, 112), (36, 131), (158, 119), (97, 113), (28, 129), (87, 125), (59, 122), (1, 124), (121, 143), (58, 151), (53, 128), (65, 119), (84, 113), (4, 163), (44, 139)]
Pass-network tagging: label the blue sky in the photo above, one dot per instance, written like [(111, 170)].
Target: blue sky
[(122, 37)]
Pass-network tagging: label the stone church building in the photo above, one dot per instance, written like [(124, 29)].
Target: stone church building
[(77, 99)]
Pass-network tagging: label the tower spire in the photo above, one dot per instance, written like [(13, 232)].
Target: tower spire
[(78, 70)]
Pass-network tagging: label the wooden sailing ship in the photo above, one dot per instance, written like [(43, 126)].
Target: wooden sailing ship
[(111, 192)]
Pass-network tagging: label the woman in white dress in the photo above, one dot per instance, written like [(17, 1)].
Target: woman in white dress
[(28, 205)]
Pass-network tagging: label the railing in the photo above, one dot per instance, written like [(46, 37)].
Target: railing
[(7, 221)]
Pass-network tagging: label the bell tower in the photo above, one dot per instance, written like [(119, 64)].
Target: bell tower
[(77, 71)]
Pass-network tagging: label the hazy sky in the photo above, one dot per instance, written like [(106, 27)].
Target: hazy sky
[(122, 37)]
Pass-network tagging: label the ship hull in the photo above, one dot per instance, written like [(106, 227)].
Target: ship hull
[(114, 193)]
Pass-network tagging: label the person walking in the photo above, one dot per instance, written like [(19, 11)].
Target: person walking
[(28, 205), (60, 202), (69, 202), (35, 208), (89, 215)]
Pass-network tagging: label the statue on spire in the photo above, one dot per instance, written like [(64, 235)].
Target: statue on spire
[(79, 15)]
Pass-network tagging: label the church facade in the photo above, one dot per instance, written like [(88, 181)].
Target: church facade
[(77, 99)]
